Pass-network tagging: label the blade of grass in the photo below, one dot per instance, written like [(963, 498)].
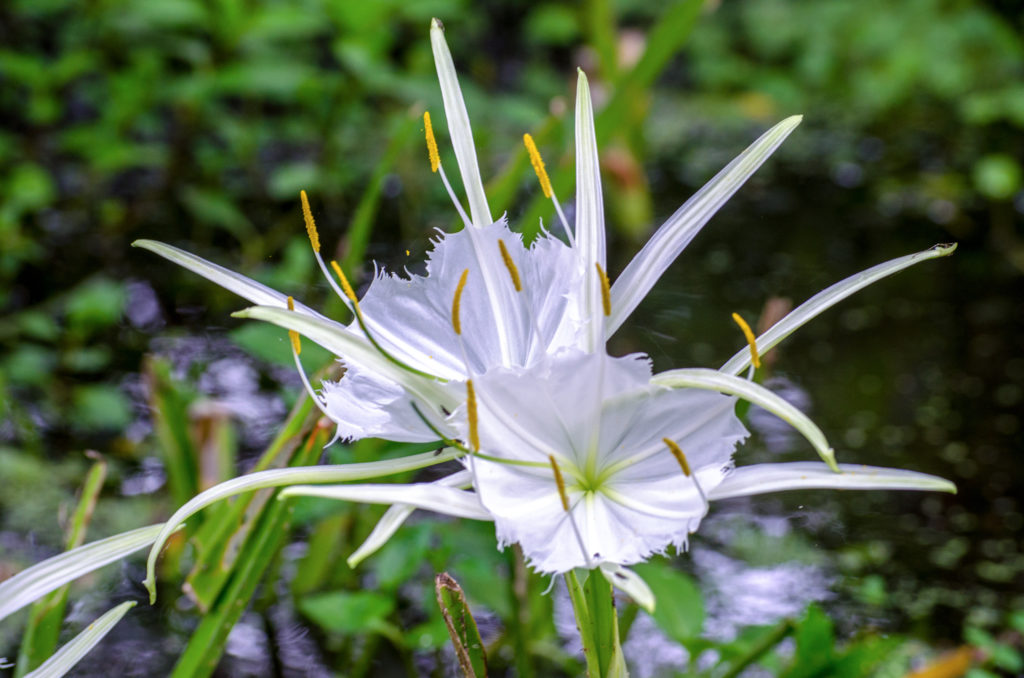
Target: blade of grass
[(269, 534), (43, 629), (65, 659), (469, 648)]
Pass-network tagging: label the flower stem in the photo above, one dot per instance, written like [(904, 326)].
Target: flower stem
[(584, 624)]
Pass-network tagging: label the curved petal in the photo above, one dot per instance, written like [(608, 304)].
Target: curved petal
[(458, 126), (590, 236), (804, 475), (346, 344), (630, 583), (827, 298), (724, 383), (284, 476), (64, 659), (438, 498), (247, 288), (395, 516), (674, 235), (49, 575)]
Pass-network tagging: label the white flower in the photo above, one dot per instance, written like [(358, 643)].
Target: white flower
[(583, 459)]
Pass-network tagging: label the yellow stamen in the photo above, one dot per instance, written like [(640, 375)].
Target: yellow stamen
[(307, 214), (457, 301), (292, 334), (345, 286), (755, 359), (474, 433), (510, 265), (560, 482), (606, 292), (428, 129), (538, 165), (677, 452)]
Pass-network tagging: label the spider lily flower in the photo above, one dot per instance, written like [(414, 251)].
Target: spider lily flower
[(499, 351)]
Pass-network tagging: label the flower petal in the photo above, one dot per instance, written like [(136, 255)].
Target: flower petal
[(365, 405), (38, 580), (826, 299), (348, 345), (458, 126), (590, 236), (630, 583), (758, 395), (430, 496), (284, 476), (244, 287), (674, 235), (395, 516), (763, 478), (64, 659)]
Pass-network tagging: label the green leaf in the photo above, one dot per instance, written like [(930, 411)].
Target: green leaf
[(997, 176), (458, 618), (348, 611), (680, 608), (29, 364), (98, 407), (95, 304)]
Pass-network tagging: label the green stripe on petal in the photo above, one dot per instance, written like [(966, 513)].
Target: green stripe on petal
[(285, 476), (827, 298), (458, 127), (805, 475), (64, 659), (36, 581), (674, 235), (713, 380), (447, 500), (244, 287)]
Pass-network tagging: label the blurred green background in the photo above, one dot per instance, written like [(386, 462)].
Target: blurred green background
[(197, 123)]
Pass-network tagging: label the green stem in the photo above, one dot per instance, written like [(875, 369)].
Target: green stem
[(584, 623)]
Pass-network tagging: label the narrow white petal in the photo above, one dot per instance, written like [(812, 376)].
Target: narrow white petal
[(805, 475), (631, 584), (284, 476), (437, 498), (64, 659), (36, 581), (244, 287), (395, 516), (346, 344), (714, 380), (458, 127), (826, 299), (675, 234), (590, 236)]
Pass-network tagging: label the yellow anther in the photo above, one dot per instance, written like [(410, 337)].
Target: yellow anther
[(457, 301), (428, 129), (677, 452), (474, 433), (292, 334), (307, 214), (606, 291), (538, 165), (755, 359), (345, 286), (560, 482), (510, 265)]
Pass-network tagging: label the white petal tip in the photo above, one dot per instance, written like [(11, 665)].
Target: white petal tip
[(944, 249), (436, 25)]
